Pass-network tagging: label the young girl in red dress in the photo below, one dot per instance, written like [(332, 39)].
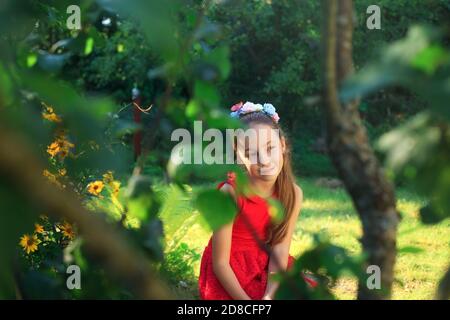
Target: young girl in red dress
[(235, 264)]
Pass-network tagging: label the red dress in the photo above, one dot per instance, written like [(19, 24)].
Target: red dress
[(247, 259)]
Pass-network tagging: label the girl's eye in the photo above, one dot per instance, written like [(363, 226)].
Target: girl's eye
[(249, 154)]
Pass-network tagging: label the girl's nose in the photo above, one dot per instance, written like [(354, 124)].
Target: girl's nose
[(263, 161)]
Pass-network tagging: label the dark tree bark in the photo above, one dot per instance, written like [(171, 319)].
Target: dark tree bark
[(372, 194), (443, 291)]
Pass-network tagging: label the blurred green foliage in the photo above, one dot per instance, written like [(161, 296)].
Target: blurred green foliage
[(189, 59), (418, 150)]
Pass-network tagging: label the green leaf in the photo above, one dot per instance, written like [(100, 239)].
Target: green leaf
[(143, 202), (184, 173), (276, 210), (207, 93), (220, 58), (222, 120), (411, 143), (430, 58), (31, 60), (6, 88), (63, 97), (192, 109), (392, 67), (410, 249), (139, 207), (217, 208), (159, 23), (89, 46)]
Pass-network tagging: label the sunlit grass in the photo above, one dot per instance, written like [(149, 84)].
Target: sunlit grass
[(331, 211)]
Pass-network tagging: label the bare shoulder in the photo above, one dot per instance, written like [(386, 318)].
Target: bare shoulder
[(298, 193), (298, 197)]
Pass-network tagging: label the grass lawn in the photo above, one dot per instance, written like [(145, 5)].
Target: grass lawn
[(331, 211)]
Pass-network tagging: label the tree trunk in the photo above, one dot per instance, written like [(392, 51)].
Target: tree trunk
[(443, 291), (372, 195)]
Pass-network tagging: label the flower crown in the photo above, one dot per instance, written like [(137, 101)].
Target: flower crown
[(243, 108)]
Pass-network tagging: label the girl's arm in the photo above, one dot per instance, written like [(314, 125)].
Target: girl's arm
[(280, 251), (221, 247)]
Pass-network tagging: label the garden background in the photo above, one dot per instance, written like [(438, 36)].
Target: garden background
[(87, 115)]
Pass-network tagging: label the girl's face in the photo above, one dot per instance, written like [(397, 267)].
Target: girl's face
[(262, 152)]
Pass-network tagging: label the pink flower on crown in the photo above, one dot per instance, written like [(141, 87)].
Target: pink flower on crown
[(237, 106), (275, 117)]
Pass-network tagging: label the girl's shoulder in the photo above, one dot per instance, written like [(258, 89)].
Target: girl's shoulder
[(298, 192), (298, 198)]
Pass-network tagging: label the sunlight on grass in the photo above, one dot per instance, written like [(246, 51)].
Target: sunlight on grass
[(332, 212)]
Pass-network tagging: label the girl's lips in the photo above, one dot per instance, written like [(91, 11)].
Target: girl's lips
[(267, 171)]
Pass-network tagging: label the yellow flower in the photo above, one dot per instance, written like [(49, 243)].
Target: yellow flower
[(62, 172), (115, 185), (67, 230), (29, 243), (51, 117), (53, 149), (61, 146), (108, 178), (38, 228), (66, 145), (95, 187), (49, 114)]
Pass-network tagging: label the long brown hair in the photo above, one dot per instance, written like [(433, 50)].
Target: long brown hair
[(284, 185)]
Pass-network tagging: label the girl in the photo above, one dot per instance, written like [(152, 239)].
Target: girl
[(234, 264)]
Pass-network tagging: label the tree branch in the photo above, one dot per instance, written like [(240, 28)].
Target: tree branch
[(350, 151), (443, 291)]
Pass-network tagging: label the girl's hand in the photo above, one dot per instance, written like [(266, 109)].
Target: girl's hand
[(267, 297)]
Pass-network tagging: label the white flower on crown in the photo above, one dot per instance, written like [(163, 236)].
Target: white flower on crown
[(250, 107)]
